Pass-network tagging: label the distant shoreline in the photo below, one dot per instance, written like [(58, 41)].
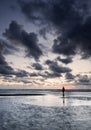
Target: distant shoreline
[(55, 90), (18, 94), (35, 92)]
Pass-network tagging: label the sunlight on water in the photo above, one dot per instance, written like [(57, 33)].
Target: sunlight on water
[(48, 112), (48, 100), (57, 101)]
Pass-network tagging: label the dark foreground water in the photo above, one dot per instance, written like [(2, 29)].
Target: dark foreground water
[(46, 112)]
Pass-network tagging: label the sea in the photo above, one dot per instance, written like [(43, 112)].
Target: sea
[(45, 110)]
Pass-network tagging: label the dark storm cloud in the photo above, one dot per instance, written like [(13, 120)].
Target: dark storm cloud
[(78, 79), (57, 68), (63, 46), (77, 40), (51, 11), (21, 73), (2, 60), (84, 79), (81, 37), (69, 76), (48, 62), (65, 60), (71, 19), (30, 9), (10, 75), (17, 35), (37, 66), (6, 48), (52, 75), (6, 70)]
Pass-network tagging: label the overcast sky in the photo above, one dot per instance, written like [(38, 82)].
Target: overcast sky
[(45, 43)]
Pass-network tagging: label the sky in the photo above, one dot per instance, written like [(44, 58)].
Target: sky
[(45, 44)]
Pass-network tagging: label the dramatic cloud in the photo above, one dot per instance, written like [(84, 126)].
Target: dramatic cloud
[(6, 48), (84, 79), (76, 41), (62, 46), (48, 62), (57, 68), (65, 60), (71, 20), (2, 60), (78, 79), (54, 34), (21, 73), (6, 70), (37, 66), (17, 35), (81, 37), (52, 12), (69, 76), (52, 75)]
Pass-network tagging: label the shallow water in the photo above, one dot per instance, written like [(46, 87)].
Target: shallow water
[(48, 112)]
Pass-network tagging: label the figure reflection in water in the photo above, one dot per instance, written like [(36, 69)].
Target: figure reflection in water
[(63, 100), (63, 93)]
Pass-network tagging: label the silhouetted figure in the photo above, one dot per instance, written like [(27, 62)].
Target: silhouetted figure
[(63, 90)]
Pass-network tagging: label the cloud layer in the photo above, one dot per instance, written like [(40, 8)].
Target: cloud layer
[(19, 36), (57, 68), (62, 29), (37, 66), (71, 20), (65, 60)]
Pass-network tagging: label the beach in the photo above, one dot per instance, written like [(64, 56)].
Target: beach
[(46, 112)]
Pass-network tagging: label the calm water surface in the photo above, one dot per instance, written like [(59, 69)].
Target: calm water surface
[(47, 112)]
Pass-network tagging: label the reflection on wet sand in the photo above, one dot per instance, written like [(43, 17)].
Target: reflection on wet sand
[(63, 100)]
